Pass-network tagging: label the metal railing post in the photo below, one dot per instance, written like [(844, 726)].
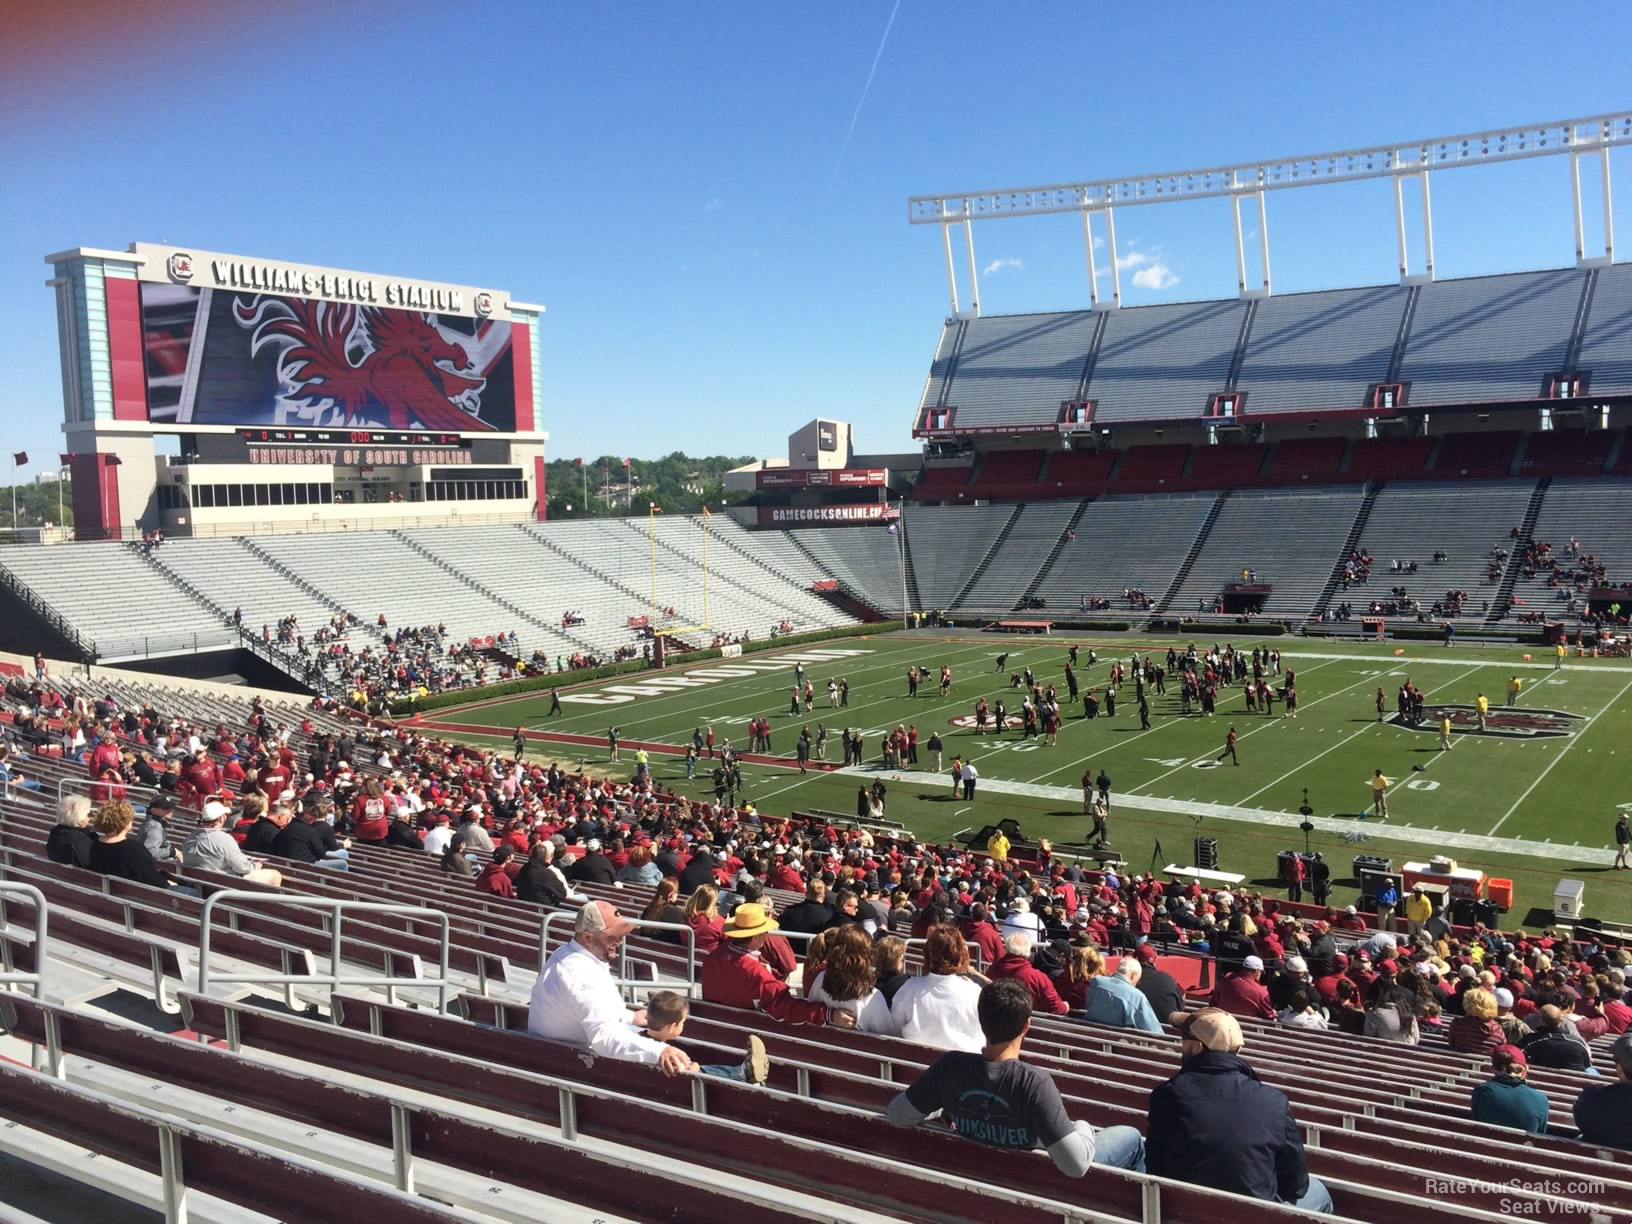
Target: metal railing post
[(336, 977), (42, 939)]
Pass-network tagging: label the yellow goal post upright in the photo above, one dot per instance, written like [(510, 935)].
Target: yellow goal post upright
[(659, 630)]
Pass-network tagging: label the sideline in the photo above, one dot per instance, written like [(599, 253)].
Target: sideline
[(1264, 816)]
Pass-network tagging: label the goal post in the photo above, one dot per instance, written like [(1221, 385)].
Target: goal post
[(658, 613)]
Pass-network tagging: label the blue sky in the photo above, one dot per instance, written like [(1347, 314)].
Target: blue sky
[(668, 178)]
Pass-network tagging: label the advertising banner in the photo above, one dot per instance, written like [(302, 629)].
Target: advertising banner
[(823, 516), (238, 357), (800, 478)]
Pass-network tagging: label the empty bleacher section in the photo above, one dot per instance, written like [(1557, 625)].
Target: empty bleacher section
[(1411, 522), (1077, 471), (233, 577), (1163, 362), (941, 370), (1606, 344), (375, 572), (478, 581), (1124, 543), (1474, 455), (1228, 466), (947, 544), (867, 559), (943, 481), (1162, 463), (1018, 369), (1591, 511), (1320, 350), (1389, 458), (1307, 459), (1022, 554), (1566, 452), (740, 591), (116, 600), (1490, 338), (1251, 533), (1011, 475)]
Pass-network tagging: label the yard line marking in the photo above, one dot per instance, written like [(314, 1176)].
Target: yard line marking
[(1573, 739), (1304, 765)]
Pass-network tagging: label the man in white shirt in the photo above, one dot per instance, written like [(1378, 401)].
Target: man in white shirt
[(969, 776), (439, 836), (576, 1000)]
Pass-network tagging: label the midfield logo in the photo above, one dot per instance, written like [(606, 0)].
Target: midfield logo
[(1502, 722)]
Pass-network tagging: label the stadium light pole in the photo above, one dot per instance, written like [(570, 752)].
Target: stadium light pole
[(901, 560)]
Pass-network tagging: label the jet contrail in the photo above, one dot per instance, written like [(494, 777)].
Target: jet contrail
[(862, 101)]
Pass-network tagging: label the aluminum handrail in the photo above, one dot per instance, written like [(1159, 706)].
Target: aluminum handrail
[(11, 978), (334, 979)]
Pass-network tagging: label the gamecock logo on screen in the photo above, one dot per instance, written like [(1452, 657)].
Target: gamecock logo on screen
[(340, 363), (1503, 722)]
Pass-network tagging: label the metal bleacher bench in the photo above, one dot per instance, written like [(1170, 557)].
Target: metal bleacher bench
[(890, 828), (1228, 878)]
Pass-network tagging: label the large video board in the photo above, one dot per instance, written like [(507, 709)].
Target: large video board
[(243, 357)]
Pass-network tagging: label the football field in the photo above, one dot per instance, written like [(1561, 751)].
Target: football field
[(1533, 797)]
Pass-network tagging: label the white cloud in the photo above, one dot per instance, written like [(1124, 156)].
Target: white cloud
[(1150, 270), (997, 265), (1099, 243), (713, 204), (1156, 275)]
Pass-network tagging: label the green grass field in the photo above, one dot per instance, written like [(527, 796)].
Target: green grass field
[(1533, 803)]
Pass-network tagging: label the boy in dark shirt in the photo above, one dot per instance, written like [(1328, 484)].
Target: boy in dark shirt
[(994, 1098)]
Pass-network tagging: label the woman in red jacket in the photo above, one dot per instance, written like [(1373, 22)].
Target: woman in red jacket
[(372, 812), (703, 917)]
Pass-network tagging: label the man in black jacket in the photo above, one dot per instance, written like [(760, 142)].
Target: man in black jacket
[(540, 881), (1322, 948), (699, 869), (401, 832), (1214, 1124), (1604, 1114), (265, 831), (1160, 989), (306, 839), (594, 867), (811, 915)]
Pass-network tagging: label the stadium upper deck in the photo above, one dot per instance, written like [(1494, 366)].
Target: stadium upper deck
[(1528, 339)]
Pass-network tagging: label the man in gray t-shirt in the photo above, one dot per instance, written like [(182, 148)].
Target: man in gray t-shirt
[(994, 1098), (212, 848)]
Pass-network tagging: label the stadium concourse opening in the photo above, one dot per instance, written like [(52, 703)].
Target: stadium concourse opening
[(609, 869)]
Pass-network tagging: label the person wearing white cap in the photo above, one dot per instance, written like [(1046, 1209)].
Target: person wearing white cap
[(211, 848), (576, 1000), (1241, 993)]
